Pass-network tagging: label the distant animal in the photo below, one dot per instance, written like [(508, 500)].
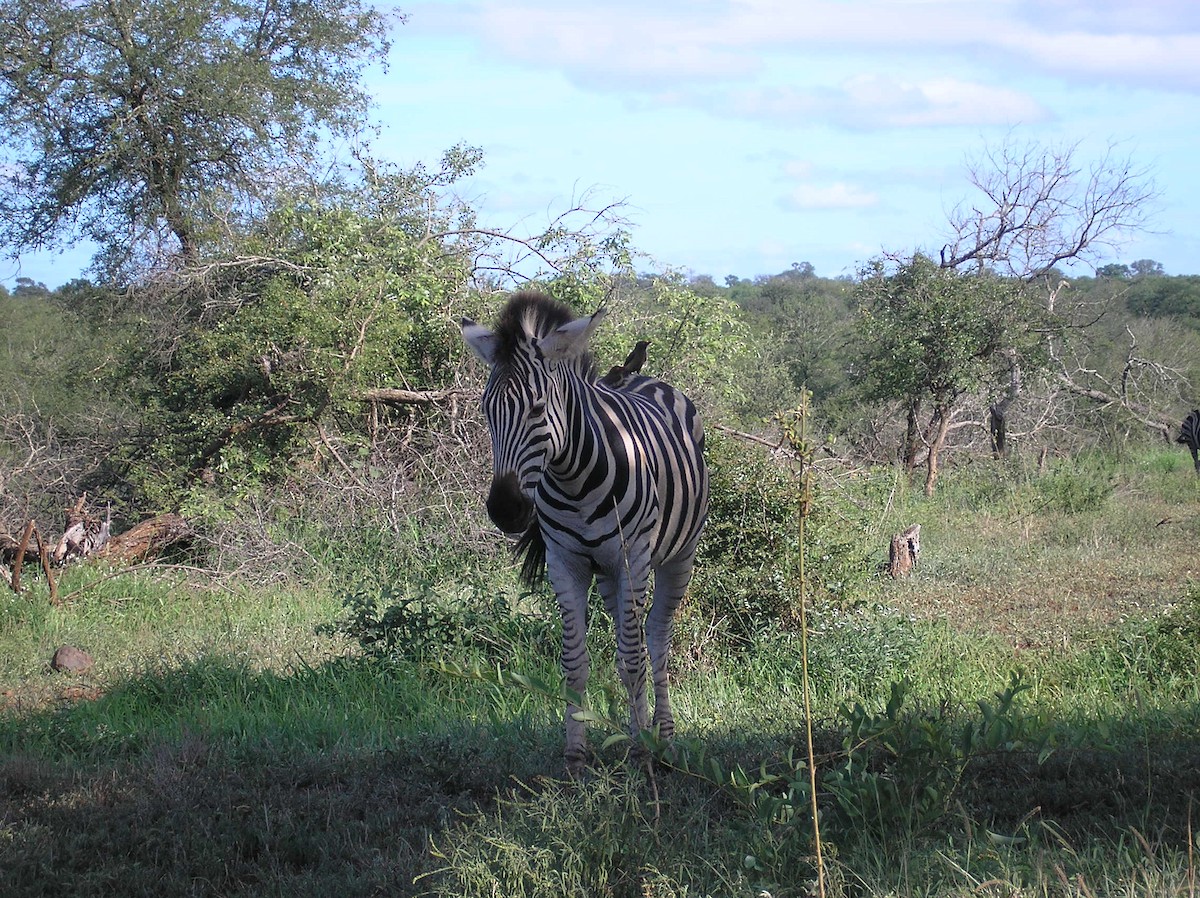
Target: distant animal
[(618, 375), (1189, 435), (596, 482)]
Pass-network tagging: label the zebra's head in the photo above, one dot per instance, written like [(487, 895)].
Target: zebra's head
[(534, 346)]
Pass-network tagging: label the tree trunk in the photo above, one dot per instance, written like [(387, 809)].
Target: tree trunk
[(940, 427), (912, 436), (147, 539), (997, 429), (905, 551), (998, 413)]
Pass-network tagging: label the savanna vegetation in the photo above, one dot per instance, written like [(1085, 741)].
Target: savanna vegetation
[(338, 684)]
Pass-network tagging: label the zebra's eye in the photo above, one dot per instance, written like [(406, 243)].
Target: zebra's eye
[(537, 410)]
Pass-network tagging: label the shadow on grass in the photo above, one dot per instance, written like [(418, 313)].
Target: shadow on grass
[(1149, 782), (199, 798), (219, 780)]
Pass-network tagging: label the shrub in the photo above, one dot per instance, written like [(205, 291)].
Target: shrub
[(747, 577), (1079, 485), (1153, 653), (412, 622)]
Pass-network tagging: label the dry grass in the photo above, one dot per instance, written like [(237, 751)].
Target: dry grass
[(1038, 577)]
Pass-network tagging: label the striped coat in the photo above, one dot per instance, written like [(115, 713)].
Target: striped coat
[(1189, 435), (598, 480)]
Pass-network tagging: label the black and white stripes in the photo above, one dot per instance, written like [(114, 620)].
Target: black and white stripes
[(600, 480), (1189, 435)]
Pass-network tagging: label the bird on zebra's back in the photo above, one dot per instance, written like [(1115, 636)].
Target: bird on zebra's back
[(596, 481), (1189, 435), (619, 376)]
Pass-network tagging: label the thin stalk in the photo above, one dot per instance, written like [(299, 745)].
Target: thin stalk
[(800, 440)]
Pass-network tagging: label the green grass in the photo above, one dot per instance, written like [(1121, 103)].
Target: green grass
[(233, 739)]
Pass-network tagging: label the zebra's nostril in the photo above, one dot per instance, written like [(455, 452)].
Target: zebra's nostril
[(507, 506)]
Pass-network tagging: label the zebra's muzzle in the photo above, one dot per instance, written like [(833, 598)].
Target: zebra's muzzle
[(508, 507)]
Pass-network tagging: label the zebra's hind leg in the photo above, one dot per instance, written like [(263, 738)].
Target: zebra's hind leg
[(624, 594), (670, 583)]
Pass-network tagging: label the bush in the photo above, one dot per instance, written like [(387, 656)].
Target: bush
[(1079, 485), (412, 622), (747, 577), (1154, 653)]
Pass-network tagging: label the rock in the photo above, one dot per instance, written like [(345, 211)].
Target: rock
[(69, 658)]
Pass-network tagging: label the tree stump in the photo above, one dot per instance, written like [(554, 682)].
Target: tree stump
[(905, 552)]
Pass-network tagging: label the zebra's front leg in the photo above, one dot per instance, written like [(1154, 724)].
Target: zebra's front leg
[(571, 582), (670, 584)]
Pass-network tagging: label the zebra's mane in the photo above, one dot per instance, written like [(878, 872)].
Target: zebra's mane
[(527, 315)]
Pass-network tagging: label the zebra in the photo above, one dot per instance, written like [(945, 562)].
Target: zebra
[(597, 481), (1189, 435)]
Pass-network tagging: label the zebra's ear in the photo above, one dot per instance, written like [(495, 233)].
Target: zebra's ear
[(481, 340), (572, 338)]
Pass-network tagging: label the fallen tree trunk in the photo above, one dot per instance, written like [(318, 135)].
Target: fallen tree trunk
[(149, 538), (397, 396)]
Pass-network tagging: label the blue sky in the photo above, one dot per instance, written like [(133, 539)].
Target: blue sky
[(747, 135)]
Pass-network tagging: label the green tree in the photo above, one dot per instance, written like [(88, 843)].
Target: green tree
[(1157, 297), (931, 335), (1147, 268), (148, 125)]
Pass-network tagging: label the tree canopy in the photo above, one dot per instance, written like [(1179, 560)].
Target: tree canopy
[(930, 335), (149, 125)]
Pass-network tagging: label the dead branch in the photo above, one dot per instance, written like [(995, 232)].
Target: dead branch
[(44, 557), (22, 548), (774, 446), (272, 417), (397, 396), (1121, 395)]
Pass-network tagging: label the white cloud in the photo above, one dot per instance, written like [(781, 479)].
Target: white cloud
[(653, 45), (610, 47), (1171, 61), (1113, 16), (798, 168), (837, 195), (876, 101)]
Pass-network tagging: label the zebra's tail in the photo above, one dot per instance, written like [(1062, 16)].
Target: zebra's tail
[(533, 546)]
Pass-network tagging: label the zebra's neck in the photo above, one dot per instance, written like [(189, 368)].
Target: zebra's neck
[(587, 414)]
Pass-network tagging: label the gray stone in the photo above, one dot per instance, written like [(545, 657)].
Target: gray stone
[(69, 658)]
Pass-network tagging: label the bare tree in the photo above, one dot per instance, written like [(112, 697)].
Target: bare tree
[(1034, 208), (1040, 206)]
